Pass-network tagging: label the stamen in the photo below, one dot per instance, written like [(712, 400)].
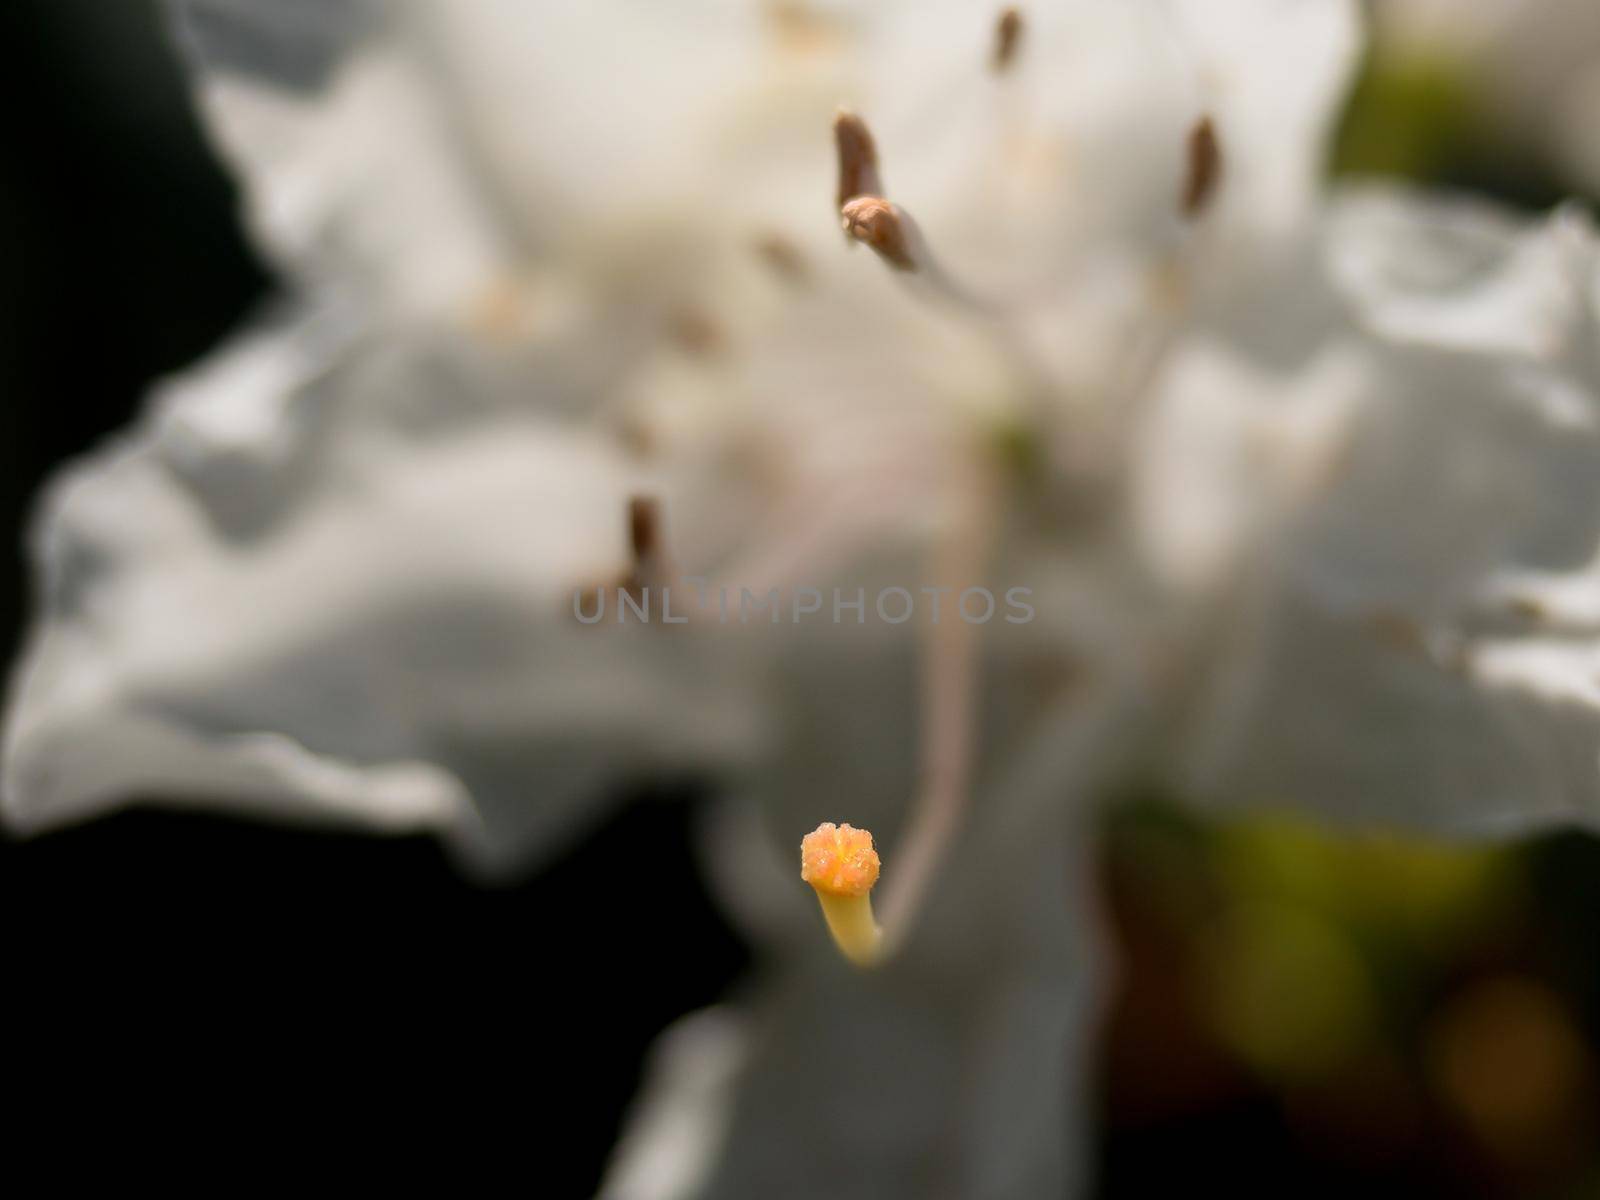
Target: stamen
[(858, 158), (644, 533), (875, 222), (1007, 37), (693, 330), (838, 861), (886, 227), (648, 564), (948, 719), (1205, 168)]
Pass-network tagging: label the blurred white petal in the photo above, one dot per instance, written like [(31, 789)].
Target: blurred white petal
[(1233, 444), (961, 1065), (1376, 723), (376, 626), (1396, 661), (1463, 275), (355, 177), (1274, 73), (679, 1123)]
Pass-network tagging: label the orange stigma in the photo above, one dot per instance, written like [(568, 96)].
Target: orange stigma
[(841, 865), (839, 860)]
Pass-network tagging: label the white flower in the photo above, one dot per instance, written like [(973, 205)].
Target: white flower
[(1335, 508), (1295, 479)]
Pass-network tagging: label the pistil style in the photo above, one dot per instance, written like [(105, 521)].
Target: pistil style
[(838, 861)]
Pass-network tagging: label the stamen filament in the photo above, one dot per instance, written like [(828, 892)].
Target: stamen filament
[(868, 217), (948, 719)]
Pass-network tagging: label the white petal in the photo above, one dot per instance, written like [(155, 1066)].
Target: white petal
[(1417, 647), (375, 624), (354, 174), (1381, 722), (1451, 472), (1462, 275), (1274, 73), (678, 1125), (1230, 446), (1474, 445)]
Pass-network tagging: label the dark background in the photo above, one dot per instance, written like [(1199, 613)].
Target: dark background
[(190, 997)]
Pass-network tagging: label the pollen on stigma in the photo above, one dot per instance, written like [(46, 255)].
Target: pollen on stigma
[(840, 864)]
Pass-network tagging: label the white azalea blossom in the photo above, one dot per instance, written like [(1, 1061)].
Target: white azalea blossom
[(1465, 495), (1306, 515)]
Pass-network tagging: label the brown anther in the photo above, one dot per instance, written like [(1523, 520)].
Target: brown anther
[(1398, 632), (695, 331), (1205, 168), (1007, 37), (1526, 608), (858, 158), (875, 222), (644, 545), (645, 568), (783, 256), (644, 531)]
